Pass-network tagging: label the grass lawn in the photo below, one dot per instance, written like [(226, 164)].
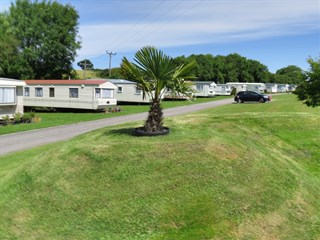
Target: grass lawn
[(88, 74), (242, 171), (49, 119)]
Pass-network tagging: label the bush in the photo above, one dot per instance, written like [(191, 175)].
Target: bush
[(6, 120), (27, 117), (17, 117), (233, 91)]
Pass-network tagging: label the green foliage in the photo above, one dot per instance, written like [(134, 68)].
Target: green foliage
[(233, 91), (6, 120), (154, 72), (230, 68), (85, 64), (44, 40), (17, 117), (289, 75), (27, 117), (115, 73), (309, 90)]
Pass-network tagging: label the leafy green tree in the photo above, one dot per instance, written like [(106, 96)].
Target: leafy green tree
[(230, 68), (308, 90), (85, 64), (47, 37), (218, 69), (258, 71), (292, 73), (204, 66), (155, 72)]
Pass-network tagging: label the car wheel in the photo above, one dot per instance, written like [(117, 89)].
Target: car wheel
[(261, 100), (238, 100)]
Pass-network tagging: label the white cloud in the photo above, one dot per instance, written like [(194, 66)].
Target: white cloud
[(208, 22)]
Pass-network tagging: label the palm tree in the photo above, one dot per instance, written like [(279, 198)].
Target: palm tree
[(154, 72)]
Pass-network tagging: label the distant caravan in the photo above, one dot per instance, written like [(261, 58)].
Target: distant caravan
[(76, 94)]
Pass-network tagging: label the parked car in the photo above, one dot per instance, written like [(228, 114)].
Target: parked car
[(245, 96)]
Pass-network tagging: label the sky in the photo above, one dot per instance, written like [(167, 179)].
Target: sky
[(278, 33)]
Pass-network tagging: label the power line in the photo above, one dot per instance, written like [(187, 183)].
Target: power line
[(146, 26), (141, 37), (119, 40)]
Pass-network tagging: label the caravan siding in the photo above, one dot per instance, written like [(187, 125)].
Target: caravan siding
[(242, 86), (283, 87), (223, 89), (258, 87), (271, 87), (204, 89), (128, 91), (237, 85), (11, 97), (79, 94)]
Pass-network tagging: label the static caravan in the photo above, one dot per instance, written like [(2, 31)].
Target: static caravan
[(77, 94), (204, 89), (292, 87), (237, 85), (128, 91), (271, 87), (223, 89), (283, 87), (241, 86), (11, 97), (258, 87), (170, 96)]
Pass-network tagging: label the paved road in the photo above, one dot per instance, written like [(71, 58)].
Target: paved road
[(26, 140)]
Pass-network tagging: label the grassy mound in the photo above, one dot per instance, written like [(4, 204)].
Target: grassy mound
[(244, 171)]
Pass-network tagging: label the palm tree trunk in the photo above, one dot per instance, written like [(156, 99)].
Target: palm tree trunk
[(155, 118)]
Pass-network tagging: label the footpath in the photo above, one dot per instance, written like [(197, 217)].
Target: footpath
[(25, 140)]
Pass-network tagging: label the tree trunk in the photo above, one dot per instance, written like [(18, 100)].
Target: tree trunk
[(155, 118)]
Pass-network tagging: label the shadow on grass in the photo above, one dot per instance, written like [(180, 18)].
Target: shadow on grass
[(121, 131), (138, 132)]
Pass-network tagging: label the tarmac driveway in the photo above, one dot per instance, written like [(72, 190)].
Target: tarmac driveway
[(29, 139)]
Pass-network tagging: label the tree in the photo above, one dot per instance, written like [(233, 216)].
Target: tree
[(154, 72), (291, 73), (85, 64), (47, 37), (308, 90)]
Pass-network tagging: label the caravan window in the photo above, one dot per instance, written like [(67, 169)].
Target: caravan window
[(73, 92), (199, 88), (107, 93), (27, 92), (138, 91), (104, 93), (98, 92), (38, 92), (119, 90), (7, 95), (51, 92)]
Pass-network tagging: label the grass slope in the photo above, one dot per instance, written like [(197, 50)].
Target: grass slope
[(243, 171), (89, 74)]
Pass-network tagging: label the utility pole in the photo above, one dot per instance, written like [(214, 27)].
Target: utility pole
[(85, 69), (110, 55)]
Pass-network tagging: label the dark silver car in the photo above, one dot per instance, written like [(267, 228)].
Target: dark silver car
[(246, 96)]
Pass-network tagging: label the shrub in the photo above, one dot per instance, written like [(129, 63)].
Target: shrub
[(233, 91), (6, 120), (17, 117), (27, 117)]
